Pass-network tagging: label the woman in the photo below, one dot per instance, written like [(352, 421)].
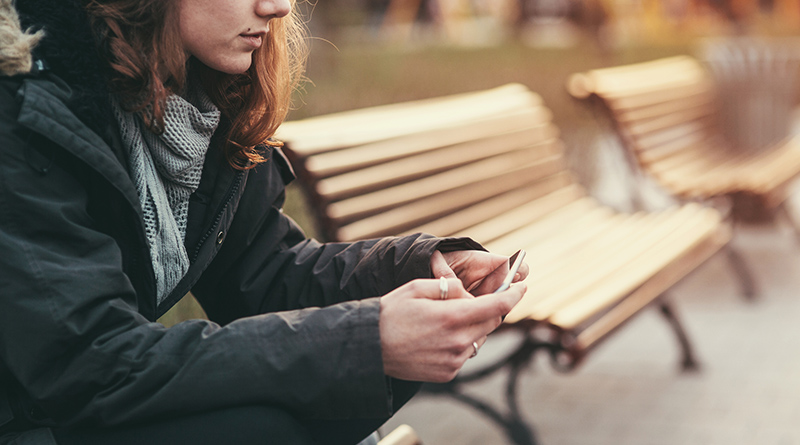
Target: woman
[(132, 170)]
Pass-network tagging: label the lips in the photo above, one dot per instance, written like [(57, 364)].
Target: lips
[(254, 39)]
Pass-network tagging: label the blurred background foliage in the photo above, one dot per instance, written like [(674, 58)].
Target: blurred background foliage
[(374, 52)]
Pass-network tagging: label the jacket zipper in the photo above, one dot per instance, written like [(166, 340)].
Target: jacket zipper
[(176, 295), (223, 205)]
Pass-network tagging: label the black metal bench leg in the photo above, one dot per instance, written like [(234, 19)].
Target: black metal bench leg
[(512, 423), (689, 362), (515, 428), (519, 431), (787, 215), (742, 272)]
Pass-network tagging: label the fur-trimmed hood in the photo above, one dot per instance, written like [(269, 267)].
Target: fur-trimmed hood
[(16, 44), (57, 32)]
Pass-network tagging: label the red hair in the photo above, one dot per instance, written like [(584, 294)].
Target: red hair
[(141, 41)]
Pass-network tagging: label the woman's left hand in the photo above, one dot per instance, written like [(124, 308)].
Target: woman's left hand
[(480, 272)]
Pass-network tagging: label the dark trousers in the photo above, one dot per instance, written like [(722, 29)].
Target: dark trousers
[(243, 425)]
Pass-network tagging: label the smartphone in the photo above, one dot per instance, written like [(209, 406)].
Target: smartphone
[(515, 261)]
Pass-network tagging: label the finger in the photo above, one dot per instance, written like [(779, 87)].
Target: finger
[(432, 289), (522, 273), (490, 306), (472, 266), (480, 341), (439, 266), (458, 286), (473, 350), (485, 327), (492, 281)]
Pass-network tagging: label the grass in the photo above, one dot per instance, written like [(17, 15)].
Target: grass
[(359, 76)]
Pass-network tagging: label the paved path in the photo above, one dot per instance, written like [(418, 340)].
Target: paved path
[(630, 390)]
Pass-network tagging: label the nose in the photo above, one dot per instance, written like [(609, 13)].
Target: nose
[(273, 8)]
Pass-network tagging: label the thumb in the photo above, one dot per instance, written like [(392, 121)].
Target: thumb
[(439, 266), (493, 305)]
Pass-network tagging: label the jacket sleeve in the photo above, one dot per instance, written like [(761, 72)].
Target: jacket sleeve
[(267, 264), (79, 352)]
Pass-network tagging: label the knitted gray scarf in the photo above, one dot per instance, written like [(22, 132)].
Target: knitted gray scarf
[(166, 170)]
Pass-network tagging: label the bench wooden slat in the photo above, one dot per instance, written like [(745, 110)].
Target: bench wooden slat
[(561, 276), (336, 161), (688, 163), (504, 233), (360, 127), (687, 131), (558, 187), (633, 79), (782, 165), (402, 435), (697, 99), (399, 171), (557, 242), (688, 144), (646, 293), (672, 94), (648, 232), (501, 224), (668, 120), (757, 173), (442, 194), (605, 293), (491, 171), (582, 293)]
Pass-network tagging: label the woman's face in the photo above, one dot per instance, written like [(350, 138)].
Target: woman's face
[(224, 33)]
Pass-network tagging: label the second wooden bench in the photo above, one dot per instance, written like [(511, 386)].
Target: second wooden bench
[(666, 113)]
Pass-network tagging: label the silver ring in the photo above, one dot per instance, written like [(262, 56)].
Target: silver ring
[(475, 352), (443, 288)]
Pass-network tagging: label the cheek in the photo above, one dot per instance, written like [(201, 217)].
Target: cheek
[(200, 30), (216, 51), (192, 37), (208, 37)]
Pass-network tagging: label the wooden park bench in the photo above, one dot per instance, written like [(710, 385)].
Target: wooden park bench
[(666, 113), (490, 165)]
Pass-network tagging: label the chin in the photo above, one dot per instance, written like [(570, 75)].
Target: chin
[(237, 69), (231, 66)]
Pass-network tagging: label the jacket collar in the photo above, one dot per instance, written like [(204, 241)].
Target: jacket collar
[(43, 111)]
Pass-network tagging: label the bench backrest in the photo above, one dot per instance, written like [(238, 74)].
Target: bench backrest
[(444, 166), (663, 109)]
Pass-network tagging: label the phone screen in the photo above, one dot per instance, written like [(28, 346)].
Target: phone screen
[(515, 261)]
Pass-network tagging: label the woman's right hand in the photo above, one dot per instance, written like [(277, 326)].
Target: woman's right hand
[(424, 338)]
